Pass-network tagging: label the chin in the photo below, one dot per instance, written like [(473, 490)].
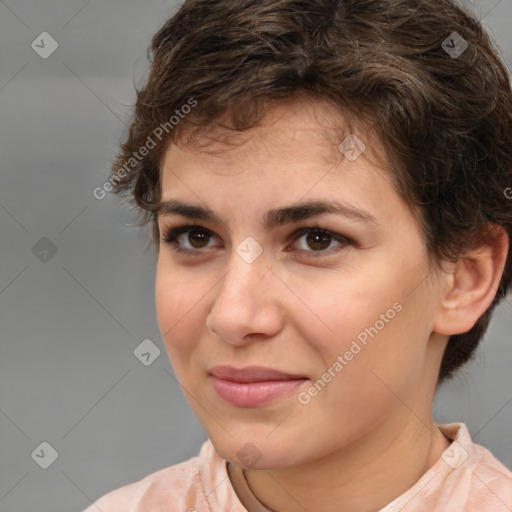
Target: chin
[(251, 453)]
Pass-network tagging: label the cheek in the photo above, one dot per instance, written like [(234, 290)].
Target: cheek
[(370, 318), (388, 348), (335, 309), (179, 309)]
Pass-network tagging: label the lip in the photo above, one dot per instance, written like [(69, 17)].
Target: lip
[(252, 374), (254, 385)]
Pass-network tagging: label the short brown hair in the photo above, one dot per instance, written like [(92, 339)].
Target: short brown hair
[(444, 119)]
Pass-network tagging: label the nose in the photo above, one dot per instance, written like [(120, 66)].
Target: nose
[(247, 303)]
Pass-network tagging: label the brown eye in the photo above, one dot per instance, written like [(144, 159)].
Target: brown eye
[(318, 241), (197, 238), (314, 241), (188, 239)]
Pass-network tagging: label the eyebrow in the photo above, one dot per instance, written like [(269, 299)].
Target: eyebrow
[(272, 218)]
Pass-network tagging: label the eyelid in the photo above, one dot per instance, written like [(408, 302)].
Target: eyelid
[(170, 235)]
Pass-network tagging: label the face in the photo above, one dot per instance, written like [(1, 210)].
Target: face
[(339, 301)]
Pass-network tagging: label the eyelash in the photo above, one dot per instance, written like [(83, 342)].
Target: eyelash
[(172, 234)]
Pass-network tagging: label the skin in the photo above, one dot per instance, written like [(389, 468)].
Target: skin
[(369, 435)]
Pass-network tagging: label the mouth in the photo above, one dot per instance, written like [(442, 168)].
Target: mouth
[(253, 386)]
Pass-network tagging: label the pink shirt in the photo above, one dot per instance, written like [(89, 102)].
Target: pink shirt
[(466, 478)]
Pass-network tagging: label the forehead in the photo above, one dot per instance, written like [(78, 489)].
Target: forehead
[(302, 135), (291, 158)]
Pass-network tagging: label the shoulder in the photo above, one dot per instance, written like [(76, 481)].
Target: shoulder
[(476, 480), (176, 487), (466, 478)]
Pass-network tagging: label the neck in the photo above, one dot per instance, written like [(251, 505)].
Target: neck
[(364, 476)]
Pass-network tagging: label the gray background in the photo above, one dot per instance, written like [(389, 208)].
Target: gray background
[(70, 325)]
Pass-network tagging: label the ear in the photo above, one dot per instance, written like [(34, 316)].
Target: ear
[(471, 285)]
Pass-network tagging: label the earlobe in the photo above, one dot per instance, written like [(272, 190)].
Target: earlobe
[(471, 286)]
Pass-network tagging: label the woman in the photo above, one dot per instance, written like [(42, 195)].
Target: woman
[(327, 185)]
